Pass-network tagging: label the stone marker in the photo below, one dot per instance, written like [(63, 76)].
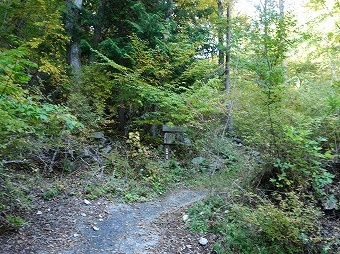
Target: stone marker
[(174, 135)]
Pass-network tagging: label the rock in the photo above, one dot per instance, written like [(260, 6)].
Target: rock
[(185, 217), (107, 149), (87, 202), (330, 205), (39, 213), (87, 153), (215, 165), (203, 241), (254, 153), (186, 140), (97, 135), (198, 160), (238, 140)]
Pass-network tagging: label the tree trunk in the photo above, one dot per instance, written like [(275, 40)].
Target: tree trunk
[(167, 18), (227, 60), (227, 71), (220, 36), (75, 56), (224, 57), (97, 32), (282, 17), (73, 51)]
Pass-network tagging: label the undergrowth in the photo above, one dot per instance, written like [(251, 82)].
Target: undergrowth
[(92, 168), (260, 227), (241, 217)]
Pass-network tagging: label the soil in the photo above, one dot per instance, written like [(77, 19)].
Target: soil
[(70, 226)]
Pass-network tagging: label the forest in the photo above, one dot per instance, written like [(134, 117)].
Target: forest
[(87, 86)]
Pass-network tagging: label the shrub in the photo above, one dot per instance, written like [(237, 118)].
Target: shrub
[(260, 227), (302, 163)]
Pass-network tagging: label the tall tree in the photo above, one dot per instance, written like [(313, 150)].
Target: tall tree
[(224, 53), (224, 37), (282, 24), (268, 47), (228, 51), (72, 27), (220, 35)]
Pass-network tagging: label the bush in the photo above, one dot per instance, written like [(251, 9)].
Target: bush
[(260, 227), (302, 163)]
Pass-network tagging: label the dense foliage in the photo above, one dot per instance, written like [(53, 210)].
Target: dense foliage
[(147, 63)]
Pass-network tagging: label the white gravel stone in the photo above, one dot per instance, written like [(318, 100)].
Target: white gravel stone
[(185, 217), (203, 241)]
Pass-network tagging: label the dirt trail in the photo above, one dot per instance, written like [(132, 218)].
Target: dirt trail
[(129, 228)]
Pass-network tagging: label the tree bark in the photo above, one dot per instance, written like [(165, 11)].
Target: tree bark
[(227, 71), (167, 18), (224, 58), (220, 35), (97, 32), (73, 17), (228, 59), (75, 56), (282, 17)]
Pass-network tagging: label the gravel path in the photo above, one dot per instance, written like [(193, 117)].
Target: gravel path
[(131, 228)]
